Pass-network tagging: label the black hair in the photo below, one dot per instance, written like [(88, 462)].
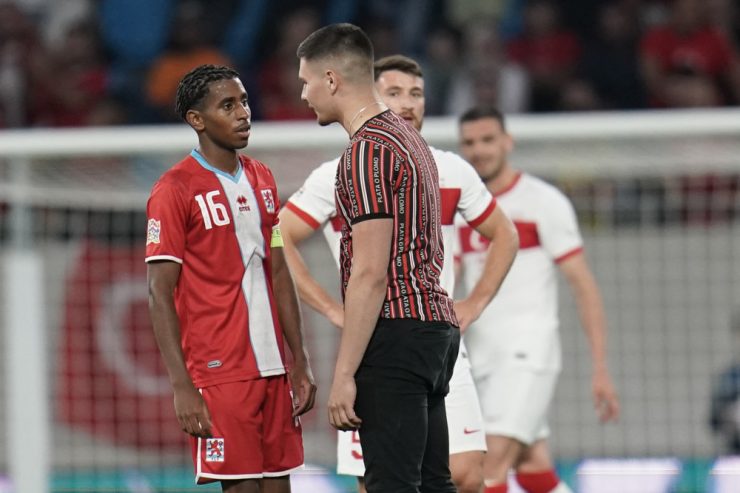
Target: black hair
[(340, 40), (193, 87), (397, 62), (480, 112)]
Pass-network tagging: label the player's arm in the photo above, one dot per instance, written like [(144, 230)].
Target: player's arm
[(363, 301), (289, 314), (498, 228), (190, 407), (591, 311), (295, 230)]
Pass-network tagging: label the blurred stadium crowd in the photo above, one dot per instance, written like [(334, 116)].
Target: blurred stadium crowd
[(97, 62)]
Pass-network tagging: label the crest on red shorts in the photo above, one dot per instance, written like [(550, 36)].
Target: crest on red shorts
[(214, 449)]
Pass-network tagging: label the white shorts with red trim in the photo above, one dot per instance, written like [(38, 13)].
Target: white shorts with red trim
[(515, 402)]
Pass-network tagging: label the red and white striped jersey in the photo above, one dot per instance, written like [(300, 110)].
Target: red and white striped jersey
[(219, 227), (520, 325), (387, 171), (461, 191)]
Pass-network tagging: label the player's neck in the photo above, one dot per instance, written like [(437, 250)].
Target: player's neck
[(503, 181), (360, 111), (225, 160)]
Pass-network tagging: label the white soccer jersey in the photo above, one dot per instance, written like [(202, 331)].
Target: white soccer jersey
[(520, 325)]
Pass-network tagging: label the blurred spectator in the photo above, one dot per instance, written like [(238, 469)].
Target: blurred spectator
[(189, 46), (279, 86), (461, 13), (487, 78), (107, 112), (21, 58), (441, 62), (547, 51), (689, 62), (74, 79), (609, 63)]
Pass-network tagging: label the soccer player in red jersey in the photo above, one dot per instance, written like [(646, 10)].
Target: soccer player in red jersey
[(400, 337), (222, 299)]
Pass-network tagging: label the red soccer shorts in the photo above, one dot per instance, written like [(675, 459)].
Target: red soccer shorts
[(254, 433)]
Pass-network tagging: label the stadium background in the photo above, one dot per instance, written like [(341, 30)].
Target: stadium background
[(86, 405)]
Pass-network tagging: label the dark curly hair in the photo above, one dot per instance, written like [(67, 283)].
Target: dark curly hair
[(193, 88)]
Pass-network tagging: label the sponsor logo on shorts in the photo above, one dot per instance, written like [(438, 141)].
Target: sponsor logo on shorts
[(214, 449), (468, 431), (215, 363)]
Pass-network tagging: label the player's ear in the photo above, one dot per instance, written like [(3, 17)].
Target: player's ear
[(331, 80), (509, 143), (195, 120)]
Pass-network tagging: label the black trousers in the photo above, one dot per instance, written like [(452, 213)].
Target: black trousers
[(401, 385)]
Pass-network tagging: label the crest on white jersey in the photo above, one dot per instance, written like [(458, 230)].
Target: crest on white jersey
[(153, 229), (269, 201), (214, 450)]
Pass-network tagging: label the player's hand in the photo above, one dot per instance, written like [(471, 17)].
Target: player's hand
[(341, 404), (192, 412), (336, 316), (304, 388), (467, 312), (605, 397)]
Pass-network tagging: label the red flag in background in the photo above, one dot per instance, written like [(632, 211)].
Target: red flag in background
[(111, 380)]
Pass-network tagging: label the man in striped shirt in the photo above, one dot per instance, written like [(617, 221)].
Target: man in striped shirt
[(400, 336)]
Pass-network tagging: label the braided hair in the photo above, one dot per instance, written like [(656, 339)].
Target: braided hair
[(193, 88)]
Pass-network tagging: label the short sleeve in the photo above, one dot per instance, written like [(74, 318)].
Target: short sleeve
[(558, 228), (476, 202), (167, 215), (368, 178), (314, 202)]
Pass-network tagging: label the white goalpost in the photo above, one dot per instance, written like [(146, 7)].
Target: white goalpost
[(658, 198)]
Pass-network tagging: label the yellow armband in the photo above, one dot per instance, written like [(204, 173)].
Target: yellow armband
[(277, 238)]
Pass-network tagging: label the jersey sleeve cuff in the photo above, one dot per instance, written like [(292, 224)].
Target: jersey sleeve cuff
[(373, 215), (155, 258), (568, 254), (484, 215), (305, 216)]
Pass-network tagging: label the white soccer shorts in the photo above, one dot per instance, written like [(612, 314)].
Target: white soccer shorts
[(515, 402), (464, 423)]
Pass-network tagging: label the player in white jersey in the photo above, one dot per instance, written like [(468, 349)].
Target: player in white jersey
[(514, 345), (400, 84)]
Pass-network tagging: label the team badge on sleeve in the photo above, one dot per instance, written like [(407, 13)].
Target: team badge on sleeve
[(214, 450), (153, 229), (269, 201)]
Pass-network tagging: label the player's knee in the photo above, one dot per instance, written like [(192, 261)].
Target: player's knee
[(468, 481), (467, 471)]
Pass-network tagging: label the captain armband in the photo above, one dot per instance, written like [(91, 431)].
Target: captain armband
[(277, 238)]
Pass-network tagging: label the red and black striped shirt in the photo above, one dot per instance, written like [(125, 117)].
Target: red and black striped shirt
[(388, 171)]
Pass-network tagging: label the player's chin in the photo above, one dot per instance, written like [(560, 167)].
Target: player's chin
[(240, 142)]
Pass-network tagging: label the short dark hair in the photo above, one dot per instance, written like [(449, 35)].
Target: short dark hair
[(339, 40), (193, 87), (480, 112), (397, 62)]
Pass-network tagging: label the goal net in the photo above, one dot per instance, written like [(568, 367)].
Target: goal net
[(86, 397)]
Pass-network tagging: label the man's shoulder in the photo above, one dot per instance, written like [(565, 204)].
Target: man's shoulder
[(541, 187), (180, 174)]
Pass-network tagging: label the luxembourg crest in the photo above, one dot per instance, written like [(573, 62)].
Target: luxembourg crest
[(214, 450), (153, 229), (269, 201)]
